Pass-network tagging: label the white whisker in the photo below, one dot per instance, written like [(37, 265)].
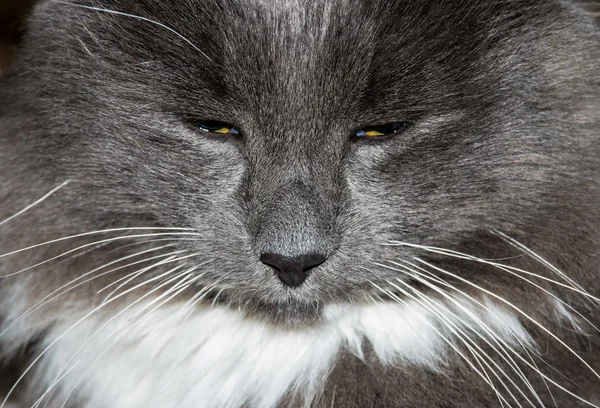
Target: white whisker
[(54, 190), (145, 242), (502, 346), (82, 247), (522, 313), (196, 299), (163, 275), (510, 270), (68, 330), (171, 256), (434, 308), (181, 284), (53, 295), (428, 275), (136, 274), (98, 232), (52, 386), (460, 255), (216, 297), (444, 338), (537, 257), (119, 13)]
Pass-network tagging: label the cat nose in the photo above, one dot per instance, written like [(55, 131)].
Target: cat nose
[(292, 271)]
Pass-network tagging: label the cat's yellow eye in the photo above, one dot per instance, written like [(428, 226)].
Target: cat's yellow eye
[(379, 131), (214, 126)]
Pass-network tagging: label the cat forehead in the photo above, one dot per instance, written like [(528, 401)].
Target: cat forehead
[(331, 56), (231, 25), (293, 7)]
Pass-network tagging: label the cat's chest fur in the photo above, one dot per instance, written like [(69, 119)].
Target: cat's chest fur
[(217, 358)]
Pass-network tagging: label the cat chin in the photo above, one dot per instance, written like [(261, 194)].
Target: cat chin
[(219, 357), (285, 315), (285, 310)]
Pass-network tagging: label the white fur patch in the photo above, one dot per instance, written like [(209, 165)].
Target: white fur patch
[(217, 358), (567, 315)]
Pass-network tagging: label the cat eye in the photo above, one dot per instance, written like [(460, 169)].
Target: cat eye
[(216, 127), (381, 131)]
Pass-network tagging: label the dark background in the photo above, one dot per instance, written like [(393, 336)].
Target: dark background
[(12, 14)]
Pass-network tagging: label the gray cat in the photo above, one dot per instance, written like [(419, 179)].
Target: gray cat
[(273, 203)]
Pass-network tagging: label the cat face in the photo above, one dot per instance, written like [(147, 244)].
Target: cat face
[(249, 123), (293, 187)]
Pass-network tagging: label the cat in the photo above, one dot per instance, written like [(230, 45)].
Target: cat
[(303, 203)]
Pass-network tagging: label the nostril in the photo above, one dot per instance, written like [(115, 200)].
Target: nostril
[(292, 271)]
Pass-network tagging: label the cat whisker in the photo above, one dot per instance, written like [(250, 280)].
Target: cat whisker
[(414, 269), (140, 18), (198, 297), (518, 245), (177, 288), (507, 268), (148, 241), (68, 330), (52, 387), (532, 365), (502, 347), (478, 361), (437, 308), (549, 293), (444, 338), (481, 372), (99, 232), (82, 247), (333, 397), (164, 275), (201, 275), (460, 255), (53, 295), (30, 206), (529, 318), (215, 299), (171, 256), (82, 253), (186, 274), (133, 276)]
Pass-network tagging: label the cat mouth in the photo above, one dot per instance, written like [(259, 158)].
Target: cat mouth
[(284, 311), (288, 312)]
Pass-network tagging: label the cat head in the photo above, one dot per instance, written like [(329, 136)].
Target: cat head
[(302, 145)]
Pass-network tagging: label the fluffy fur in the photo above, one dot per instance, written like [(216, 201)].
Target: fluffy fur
[(481, 216), (217, 358)]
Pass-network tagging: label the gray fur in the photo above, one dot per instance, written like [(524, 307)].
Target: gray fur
[(504, 101)]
